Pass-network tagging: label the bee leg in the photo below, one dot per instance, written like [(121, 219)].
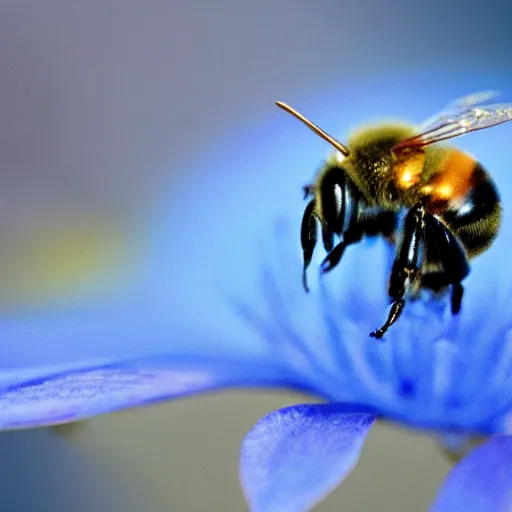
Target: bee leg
[(327, 238), (308, 237), (396, 310), (456, 300), (439, 282), (351, 236), (405, 267), (452, 257)]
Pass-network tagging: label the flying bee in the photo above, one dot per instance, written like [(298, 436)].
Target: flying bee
[(448, 202)]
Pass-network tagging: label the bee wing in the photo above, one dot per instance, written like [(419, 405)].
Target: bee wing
[(466, 120), (455, 107)]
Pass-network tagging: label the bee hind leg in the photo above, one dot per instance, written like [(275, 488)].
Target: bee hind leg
[(456, 299), (439, 283), (451, 256)]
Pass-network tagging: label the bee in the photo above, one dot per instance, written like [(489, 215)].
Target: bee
[(437, 204)]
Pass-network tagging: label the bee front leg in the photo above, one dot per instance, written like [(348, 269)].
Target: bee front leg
[(406, 266), (351, 236), (308, 237)]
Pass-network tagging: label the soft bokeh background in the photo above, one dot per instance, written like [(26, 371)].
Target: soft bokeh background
[(103, 102)]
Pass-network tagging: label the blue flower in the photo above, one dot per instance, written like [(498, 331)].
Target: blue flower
[(219, 303)]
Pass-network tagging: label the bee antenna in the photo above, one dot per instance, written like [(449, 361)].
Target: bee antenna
[(331, 140)]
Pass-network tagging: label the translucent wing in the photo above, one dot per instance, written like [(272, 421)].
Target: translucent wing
[(455, 107), (466, 115)]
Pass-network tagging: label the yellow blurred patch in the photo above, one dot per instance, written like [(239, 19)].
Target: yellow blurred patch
[(62, 259)]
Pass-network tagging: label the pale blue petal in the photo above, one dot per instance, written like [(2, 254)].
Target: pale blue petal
[(295, 456), (80, 393), (481, 482)]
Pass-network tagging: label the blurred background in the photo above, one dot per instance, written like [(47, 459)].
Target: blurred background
[(105, 102)]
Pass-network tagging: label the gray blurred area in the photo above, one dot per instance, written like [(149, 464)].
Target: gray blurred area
[(101, 101)]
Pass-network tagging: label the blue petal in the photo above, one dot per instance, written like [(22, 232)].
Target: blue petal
[(293, 457), (200, 284), (79, 393), (481, 482)]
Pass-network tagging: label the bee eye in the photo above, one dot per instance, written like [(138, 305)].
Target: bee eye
[(334, 200)]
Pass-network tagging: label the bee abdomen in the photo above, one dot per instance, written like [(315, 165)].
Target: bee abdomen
[(476, 219)]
